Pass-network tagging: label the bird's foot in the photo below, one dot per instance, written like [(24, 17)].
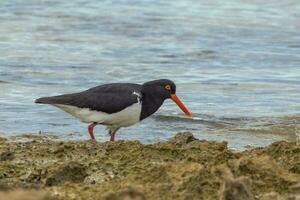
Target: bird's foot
[(92, 141)]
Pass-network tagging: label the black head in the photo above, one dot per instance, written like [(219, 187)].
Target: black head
[(162, 88), (155, 92)]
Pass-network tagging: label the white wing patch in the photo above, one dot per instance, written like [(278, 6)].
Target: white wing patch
[(139, 96)]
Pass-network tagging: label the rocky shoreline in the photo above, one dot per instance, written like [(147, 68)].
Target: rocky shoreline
[(42, 168)]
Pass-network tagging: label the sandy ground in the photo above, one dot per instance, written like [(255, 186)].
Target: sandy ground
[(42, 168)]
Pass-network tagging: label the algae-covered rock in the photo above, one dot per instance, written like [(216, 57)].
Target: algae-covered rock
[(130, 194), (181, 168), (68, 172), (284, 153), (2, 140), (233, 188), (7, 155), (26, 195), (267, 175), (182, 139), (236, 189)]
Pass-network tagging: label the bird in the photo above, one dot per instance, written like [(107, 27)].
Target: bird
[(116, 105)]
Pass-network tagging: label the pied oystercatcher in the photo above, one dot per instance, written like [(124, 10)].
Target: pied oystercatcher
[(116, 105)]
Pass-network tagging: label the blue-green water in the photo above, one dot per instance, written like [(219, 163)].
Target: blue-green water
[(236, 64)]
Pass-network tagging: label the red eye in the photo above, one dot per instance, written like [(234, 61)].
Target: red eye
[(168, 87)]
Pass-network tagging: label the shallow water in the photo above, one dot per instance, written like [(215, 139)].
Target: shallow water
[(236, 64)]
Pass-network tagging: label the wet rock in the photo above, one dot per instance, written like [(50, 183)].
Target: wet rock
[(69, 172)]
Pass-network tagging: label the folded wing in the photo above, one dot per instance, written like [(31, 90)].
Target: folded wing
[(110, 98)]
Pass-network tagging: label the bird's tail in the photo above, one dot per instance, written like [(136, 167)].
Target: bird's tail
[(60, 99), (44, 100)]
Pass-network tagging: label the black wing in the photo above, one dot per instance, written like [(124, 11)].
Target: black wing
[(109, 98)]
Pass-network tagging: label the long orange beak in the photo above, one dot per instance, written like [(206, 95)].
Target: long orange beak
[(181, 105)]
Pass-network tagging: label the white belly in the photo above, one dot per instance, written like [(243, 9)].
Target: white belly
[(124, 118)]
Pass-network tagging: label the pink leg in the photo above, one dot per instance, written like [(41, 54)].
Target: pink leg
[(112, 136), (91, 131)]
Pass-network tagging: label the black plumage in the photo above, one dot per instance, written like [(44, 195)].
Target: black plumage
[(108, 98)]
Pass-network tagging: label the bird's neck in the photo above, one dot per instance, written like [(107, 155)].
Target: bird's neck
[(150, 104)]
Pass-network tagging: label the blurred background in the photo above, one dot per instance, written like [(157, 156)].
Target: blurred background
[(236, 65)]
